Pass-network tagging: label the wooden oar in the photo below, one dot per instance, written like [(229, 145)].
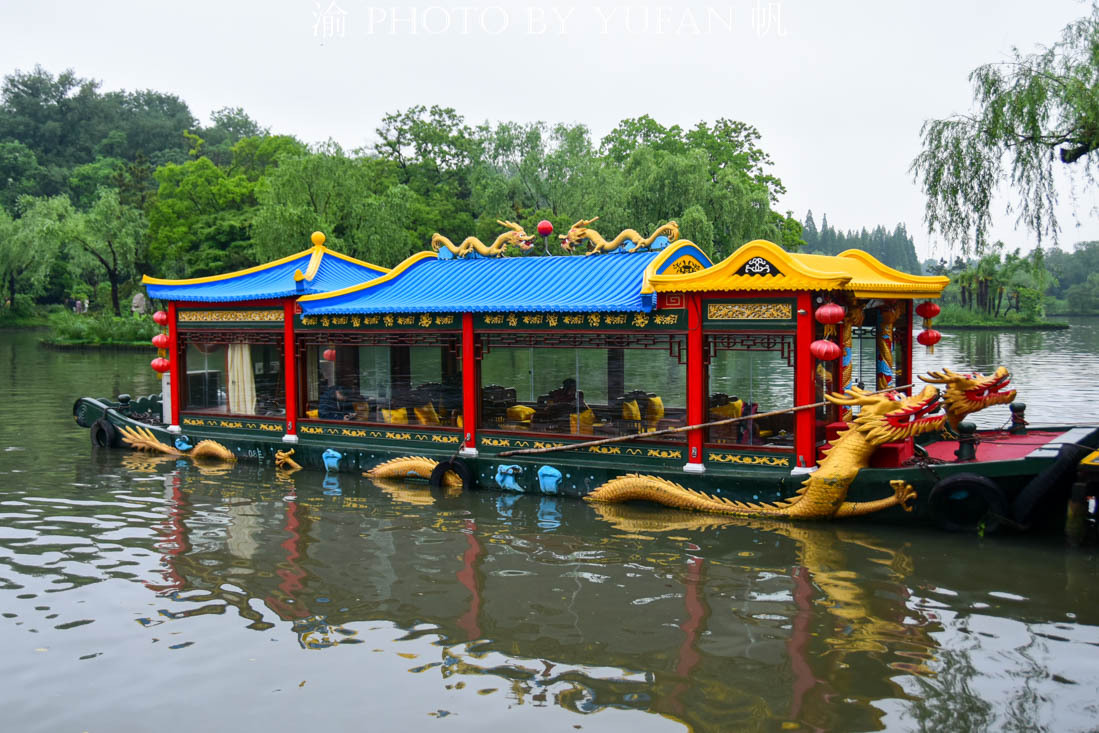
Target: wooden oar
[(683, 429)]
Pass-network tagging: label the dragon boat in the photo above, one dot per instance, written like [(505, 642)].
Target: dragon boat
[(634, 369)]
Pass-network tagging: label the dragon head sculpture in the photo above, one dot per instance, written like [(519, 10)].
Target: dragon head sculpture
[(516, 236), (576, 234), (889, 416), (966, 393)]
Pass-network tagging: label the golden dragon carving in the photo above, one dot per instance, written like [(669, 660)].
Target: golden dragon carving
[(411, 467), (966, 393), (582, 230), (883, 418), (516, 236), (142, 439)]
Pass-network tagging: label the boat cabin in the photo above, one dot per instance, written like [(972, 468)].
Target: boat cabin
[(486, 354)]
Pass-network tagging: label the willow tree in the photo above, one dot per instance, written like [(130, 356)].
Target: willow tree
[(1033, 115)]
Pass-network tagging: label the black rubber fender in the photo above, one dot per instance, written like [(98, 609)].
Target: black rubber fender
[(455, 465), (104, 434), (1028, 504), (960, 503)]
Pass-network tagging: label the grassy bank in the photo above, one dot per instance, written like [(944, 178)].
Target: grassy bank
[(86, 330), (956, 317)]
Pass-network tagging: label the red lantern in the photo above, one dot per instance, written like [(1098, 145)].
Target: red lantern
[(329, 354), (930, 337), (830, 314), (160, 364), (160, 341), (545, 228), (928, 309), (160, 318), (825, 350)]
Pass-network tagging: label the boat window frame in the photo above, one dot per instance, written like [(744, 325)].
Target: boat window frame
[(248, 336), (787, 349), (602, 339), (358, 338)]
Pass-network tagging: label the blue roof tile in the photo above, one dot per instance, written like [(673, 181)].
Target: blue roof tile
[(611, 282)]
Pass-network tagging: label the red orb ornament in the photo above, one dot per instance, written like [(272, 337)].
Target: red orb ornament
[(545, 228), (329, 354), (930, 337), (927, 309), (830, 314), (160, 364), (160, 341), (825, 350), (160, 318)]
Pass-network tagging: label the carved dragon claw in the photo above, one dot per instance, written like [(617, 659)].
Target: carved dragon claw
[(903, 493)]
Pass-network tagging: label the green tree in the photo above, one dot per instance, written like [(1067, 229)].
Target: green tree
[(200, 219), (110, 235), (29, 244), (1031, 114)]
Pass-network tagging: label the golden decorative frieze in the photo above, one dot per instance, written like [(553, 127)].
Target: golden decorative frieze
[(229, 316), (745, 460), (749, 311)]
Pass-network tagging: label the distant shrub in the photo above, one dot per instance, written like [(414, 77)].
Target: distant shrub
[(73, 328)]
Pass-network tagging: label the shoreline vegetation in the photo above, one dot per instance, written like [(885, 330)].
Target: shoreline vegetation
[(100, 330)]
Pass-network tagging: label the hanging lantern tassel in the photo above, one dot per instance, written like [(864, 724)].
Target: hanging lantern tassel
[(929, 337)]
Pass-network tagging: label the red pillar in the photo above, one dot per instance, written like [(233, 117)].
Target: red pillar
[(696, 382), (805, 423), (173, 358), (290, 371), (469, 385)]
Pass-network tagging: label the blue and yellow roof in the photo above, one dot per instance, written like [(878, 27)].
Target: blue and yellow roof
[(425, 284), (315, 270)]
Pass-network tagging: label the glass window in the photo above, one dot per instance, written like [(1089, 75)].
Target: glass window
[(751, 374), (586, 390), (389, 384), (238, 379)]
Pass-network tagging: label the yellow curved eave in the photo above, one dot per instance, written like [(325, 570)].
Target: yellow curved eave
[(147, 280), (722, 276), (316, 254), (392, 274)]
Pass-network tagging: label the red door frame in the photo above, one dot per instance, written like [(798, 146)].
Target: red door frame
[(804, 420), (696, 380), (469, 385), (290, 372)]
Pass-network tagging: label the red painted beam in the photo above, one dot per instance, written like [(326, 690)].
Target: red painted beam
[(908, 376), (469, 383), (290, 368), (174, 359), (805, 422), (696, 377)]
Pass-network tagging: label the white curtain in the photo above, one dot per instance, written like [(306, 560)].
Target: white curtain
[(242, 381)]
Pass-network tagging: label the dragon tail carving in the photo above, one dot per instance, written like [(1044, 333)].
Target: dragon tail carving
[(142, 439), (407, 467)]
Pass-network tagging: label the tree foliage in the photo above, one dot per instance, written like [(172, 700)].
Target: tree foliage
[(895, 248), (1033, 114)]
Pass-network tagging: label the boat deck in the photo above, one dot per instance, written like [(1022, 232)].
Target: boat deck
[(1000, 445)]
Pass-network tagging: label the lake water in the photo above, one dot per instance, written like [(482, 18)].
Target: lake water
[(138, 594)]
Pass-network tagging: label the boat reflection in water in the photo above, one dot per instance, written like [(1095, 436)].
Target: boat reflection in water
[(568, 604)]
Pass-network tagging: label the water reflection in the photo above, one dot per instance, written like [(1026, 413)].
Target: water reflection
[(141, 583)]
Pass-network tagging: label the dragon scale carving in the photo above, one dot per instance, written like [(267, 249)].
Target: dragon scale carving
[(582, 230)]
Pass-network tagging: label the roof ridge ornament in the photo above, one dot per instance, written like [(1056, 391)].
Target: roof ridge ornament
[(582, 230), (473, 246)]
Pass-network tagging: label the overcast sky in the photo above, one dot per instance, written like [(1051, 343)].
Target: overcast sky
[(837, 89)]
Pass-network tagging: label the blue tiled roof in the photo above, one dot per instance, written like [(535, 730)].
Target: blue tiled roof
[(272, 280), (424, 284)]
